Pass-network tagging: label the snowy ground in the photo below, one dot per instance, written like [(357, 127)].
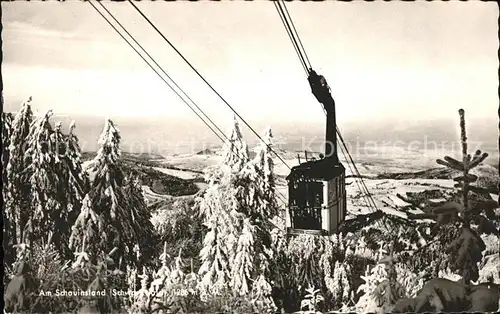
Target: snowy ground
[(152, 197), (182, 174), (192, 162), (384, 193)]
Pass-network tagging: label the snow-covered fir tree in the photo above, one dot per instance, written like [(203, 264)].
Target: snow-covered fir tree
[(257, 196), (142, 296), (217, 246), (45, 209), (221, 213), (109, 216), (161, 286), (235, 149), (390, 290), (243, 264), (340, 286), (9, 230), (140, 219), (372, 278), (237, 208), (73, 178), (263, 167), (18, 188)]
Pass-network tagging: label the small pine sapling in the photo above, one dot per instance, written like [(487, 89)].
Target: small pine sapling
[(142, 296), (161, 284), (312, 300), (465, 252), (389, 291), (368, 302), (261, 299), (131, 275), (20, 290)]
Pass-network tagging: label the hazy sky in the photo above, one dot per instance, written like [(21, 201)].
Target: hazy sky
[(382, 60)]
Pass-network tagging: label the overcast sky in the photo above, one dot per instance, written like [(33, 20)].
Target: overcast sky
[(382, 60)]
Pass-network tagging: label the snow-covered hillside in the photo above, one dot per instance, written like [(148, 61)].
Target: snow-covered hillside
[(384, 183)]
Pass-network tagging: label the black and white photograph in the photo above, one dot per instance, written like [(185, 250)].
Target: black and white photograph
[(250, 156)]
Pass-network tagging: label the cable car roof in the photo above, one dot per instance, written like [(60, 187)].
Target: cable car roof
[(322, 169)]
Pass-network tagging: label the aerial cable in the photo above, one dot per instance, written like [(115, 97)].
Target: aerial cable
[(166, 74), (163, 79), (204, 80), (290, 30), (357, 171), (297, 34), (369, 195), (290, 35), (355, 179), (147, 62), (304, 66)]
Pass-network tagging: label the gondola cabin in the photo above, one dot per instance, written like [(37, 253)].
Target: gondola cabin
[(316, 188), (317, 198)]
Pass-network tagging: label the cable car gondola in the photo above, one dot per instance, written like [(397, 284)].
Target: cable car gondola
[(316, 188)]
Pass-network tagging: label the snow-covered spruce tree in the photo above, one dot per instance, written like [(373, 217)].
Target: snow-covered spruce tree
[(339, 285), (465, 252), (160, 290), (237, 208), (257, 195), (169, 290), (235, 148), (57, 181), (251, 272), (51, 205), (368, 302), (17, 187), (109, 217), (263, 175), (141, 219), (310, 261), (45, 209), (74, 180), (220, 211), (180, 226), (7, 119), (9, 230), (217, 244), (142, 299), (411, 282), (262, 300), (389, 291), (242, 267)]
